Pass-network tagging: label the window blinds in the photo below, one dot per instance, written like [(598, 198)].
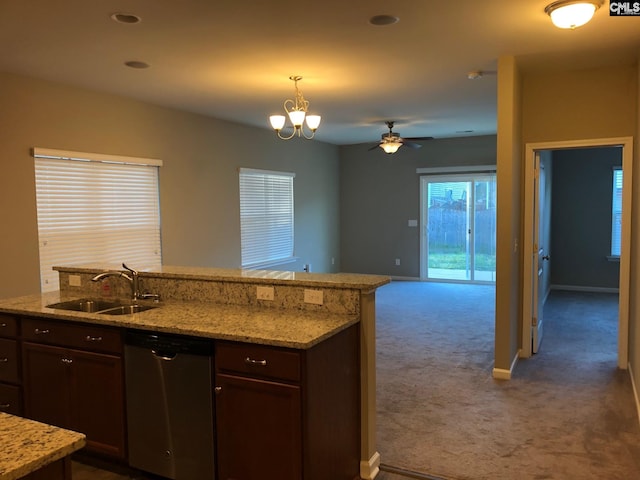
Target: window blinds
[(616, 213), (266, 217), (89, 211)]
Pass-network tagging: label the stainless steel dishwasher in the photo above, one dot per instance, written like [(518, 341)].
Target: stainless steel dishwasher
[(170, 405)]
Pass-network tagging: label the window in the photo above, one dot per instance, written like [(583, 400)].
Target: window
[(95, 208), (616, 213), (266, 217)]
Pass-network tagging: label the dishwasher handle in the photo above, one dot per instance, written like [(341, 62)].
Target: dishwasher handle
[(168, 356)]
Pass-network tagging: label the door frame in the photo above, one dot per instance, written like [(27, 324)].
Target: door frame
[(625, 251), (426, 172)]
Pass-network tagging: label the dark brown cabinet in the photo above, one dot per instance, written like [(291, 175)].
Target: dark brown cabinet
[(10, 389), (286, 414), (58, 470), (259, 429), (73, 378)]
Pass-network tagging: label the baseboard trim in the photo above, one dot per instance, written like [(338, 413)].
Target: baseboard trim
[(578, 288), (405, 279), (635, 391), (403, 472), (503, 374), (369, 469)]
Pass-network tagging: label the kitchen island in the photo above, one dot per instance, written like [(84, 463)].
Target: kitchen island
[(33, 450), (283, 310)]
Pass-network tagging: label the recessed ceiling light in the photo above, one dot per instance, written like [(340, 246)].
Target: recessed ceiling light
[(125, 18), (382, 20), (137, 64)]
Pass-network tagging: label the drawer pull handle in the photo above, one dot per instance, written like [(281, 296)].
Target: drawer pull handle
[(4, 360), (4, 406), (67, 361), (251, 361), (89, 338), (37, 331)]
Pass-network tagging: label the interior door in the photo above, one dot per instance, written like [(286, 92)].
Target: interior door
[(540, 254)]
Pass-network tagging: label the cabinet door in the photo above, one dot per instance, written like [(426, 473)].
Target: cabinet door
[(97, 401), (258, 429), (47, 371)]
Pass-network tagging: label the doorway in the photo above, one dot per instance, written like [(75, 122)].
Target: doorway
[(531, 257), (458, 225)]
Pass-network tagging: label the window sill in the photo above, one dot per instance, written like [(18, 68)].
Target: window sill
[(268, 265)]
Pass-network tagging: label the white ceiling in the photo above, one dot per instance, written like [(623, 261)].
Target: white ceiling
[(232, 59)]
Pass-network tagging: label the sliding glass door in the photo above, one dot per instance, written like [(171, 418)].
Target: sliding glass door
[(459, 227)]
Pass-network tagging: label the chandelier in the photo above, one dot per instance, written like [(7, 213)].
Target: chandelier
[(297, 112)]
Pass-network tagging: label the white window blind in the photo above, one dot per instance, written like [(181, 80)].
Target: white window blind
[(94, 208), (616, 213), (266, 217)]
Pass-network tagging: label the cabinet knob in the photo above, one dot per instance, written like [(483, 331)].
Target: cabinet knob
[(4, 406), (4, 360), (89, 338), (67, 361), (3, 325), (37, 331), (217, 390)]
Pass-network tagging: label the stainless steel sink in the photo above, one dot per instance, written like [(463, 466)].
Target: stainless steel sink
[(88, 305), (108, 307), (126, 309)]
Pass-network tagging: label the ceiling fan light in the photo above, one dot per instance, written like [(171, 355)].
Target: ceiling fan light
[(277, 121), (390, 147), (313, 122), (571, 13), (297, 117)]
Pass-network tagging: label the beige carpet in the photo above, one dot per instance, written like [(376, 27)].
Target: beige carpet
[(568, 413)]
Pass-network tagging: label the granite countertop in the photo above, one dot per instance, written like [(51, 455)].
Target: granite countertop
[(269, 326), (358, 281), (27, 445)]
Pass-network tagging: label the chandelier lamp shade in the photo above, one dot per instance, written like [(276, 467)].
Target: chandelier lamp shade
[(297, 113), (572, 13), (390, 147)]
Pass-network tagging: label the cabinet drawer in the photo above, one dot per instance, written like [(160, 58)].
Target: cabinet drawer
[(84, 337), (9, 361), (8, 326), (10, 399), (258, 360)]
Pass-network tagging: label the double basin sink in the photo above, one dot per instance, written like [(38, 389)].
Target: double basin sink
[(107, 307)]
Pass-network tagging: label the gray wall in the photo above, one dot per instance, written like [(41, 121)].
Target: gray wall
[(199, 196), (581, 218), (379, 193)]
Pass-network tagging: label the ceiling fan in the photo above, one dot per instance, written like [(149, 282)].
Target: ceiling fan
[(392, 141)]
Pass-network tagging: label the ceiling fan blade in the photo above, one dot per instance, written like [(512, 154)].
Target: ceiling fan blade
[(374, 147), (417, 139), (412, 145)]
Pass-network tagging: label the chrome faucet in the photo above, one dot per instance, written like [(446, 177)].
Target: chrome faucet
[(133, 279)]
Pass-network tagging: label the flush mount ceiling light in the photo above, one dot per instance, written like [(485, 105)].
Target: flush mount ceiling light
[(296, 110), (572, 13)]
